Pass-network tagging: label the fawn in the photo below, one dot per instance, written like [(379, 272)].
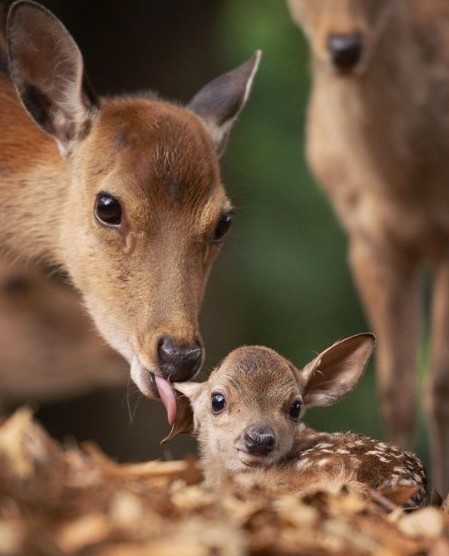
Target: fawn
[(248, 419), (378, 143), (124, 194)]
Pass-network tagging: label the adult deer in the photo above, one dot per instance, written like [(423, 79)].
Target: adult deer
[(378, 143), (128, 200)]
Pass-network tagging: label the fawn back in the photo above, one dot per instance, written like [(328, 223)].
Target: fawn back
[(124, 193), (248, 419)]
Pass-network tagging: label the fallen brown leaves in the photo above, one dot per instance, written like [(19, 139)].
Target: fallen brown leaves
[(56, 502)]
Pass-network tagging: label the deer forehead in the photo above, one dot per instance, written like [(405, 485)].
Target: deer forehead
[(153, 152), (257, 376), (338, 16)]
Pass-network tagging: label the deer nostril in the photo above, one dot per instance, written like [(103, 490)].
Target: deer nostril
[(346, 50), (179, 362), (260, 440)]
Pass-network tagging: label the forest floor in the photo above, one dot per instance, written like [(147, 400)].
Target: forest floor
[(58, 501)]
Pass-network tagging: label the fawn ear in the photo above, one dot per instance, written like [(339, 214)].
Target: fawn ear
[(47, 70), (186, 393), (336, 371), (220, 102)]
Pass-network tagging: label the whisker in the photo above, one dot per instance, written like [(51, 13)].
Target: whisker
[(130, 390)]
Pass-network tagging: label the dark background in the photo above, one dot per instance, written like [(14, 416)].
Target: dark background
[(282, 279)]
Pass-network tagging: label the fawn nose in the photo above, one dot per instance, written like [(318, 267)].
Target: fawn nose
[(179, 362), (346, 50), (259, 441)]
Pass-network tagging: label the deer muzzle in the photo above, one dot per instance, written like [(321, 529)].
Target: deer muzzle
[(154, 386), (177, 361), (259, 440), (346, 50)]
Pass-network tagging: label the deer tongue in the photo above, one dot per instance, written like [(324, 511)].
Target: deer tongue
[(167, 395), (183, 423)]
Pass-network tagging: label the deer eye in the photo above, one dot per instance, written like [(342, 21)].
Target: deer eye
[(295, 410), (222, 227), (218, 403), (108, 210)]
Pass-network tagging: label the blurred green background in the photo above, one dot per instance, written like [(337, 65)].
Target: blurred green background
[(282, 279), (284, 273)]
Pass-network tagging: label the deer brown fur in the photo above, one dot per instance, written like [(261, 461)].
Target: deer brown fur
[(378, 143), (122, 193), (248, 419), (49, 349)]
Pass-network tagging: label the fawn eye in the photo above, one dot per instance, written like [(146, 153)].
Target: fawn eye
[(108, 210), (218, 403), (295, 410), (223, 227)]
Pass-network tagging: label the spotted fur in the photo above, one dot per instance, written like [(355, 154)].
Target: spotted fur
[(378, 464)]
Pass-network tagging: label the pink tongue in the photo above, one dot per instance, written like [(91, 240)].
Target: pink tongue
[(167, 395)]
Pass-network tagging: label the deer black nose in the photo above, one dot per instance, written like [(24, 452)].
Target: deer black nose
[(259, 441), (179, 362), (346, 50)]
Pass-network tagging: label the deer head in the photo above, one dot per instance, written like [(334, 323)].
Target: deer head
[(139, 212), (249, 412), (342, 33)]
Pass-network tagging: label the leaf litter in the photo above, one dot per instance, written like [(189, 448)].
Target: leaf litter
[(59, 501)]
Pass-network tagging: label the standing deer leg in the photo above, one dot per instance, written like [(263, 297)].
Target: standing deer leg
[(389, 285), (438, 391)]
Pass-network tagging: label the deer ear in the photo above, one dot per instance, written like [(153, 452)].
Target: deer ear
[(186, 393), (47, 70), (220, 102), (336, 371)]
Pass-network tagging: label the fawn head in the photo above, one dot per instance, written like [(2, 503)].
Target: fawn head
[(145, 211), (342, 33), (248, 413)]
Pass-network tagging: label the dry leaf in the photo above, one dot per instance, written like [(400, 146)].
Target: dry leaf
[(75, 501), (427, 522), (82, 533)]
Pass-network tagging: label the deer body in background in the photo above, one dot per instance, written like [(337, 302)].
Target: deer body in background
[(378, 143), (124, 194), (248, 419), (48, 349)]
